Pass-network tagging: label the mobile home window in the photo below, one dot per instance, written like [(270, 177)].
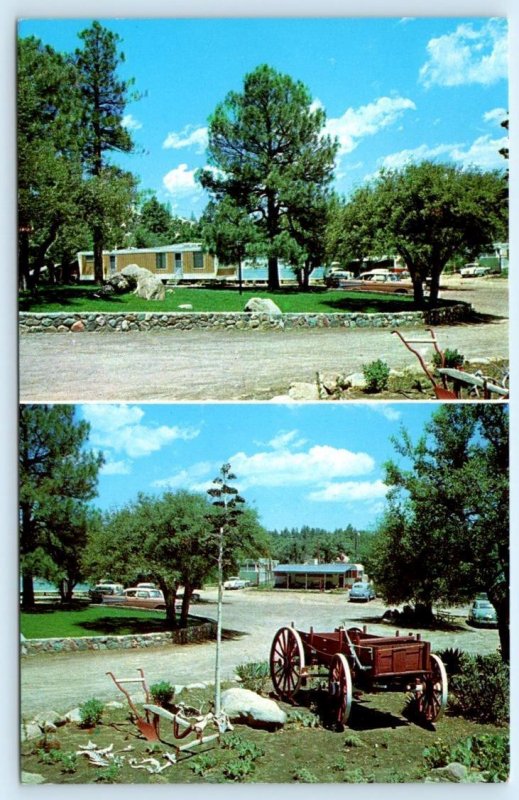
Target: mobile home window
[(198, 260), (160, 261)]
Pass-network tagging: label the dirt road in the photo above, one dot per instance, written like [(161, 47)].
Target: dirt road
[(251, 618), (205, 365)]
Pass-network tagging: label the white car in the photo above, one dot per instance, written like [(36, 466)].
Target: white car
[(235, 583), (474, 271)]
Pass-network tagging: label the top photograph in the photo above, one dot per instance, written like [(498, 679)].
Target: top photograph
[(282, 210)]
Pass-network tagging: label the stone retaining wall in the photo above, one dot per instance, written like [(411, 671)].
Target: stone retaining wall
[(195, 633), (60, 322)]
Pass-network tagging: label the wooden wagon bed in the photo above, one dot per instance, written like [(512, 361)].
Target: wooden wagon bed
[(355, 656)]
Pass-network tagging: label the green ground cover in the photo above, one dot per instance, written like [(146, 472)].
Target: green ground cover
[(48, 621), (318, 300), (379, 746)]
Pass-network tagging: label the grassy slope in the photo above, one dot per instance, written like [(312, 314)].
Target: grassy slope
[(48, 622), (79, 298)]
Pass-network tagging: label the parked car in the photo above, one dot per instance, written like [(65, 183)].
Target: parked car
[(102, 590), (333, 279), (482, 613), (137, 597), (235, 583), (474, 271), (362, 592), (376, 281)]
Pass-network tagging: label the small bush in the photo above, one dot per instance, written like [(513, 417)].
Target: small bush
[(453, 359), (162, 693), (452, 658), (487, 753), (376, 375), (242, 747), (351, 740), (203, 763), (304, 775), (91, 712), (302, 719), (239, 769), (254, 676), (481, 690)]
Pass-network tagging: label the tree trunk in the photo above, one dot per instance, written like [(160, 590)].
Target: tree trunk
[(184, 611), (434, 287), (98, 255), (273, 274), (27, 591), (171, 614), (501, 605), (66, 590), (418, 291), (23, 261)]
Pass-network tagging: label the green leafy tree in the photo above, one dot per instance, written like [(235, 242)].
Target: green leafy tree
[(167, 539), (269, 158), (104, 98), (58, 476), (445, 533), (425, 213), (49, 166)]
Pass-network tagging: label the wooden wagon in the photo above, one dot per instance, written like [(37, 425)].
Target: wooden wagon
[(353, 657)]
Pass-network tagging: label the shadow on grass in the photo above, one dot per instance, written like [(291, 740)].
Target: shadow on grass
[(362, 716)]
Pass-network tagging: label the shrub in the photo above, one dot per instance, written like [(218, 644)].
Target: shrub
[(242, 747), (254, 676), (453, 359), (376, 375), (203, 763), (91, 712), (481, 690), (304, 775), (162, 693), (488, 753), (452, 658), (303, 719), (238, 769)]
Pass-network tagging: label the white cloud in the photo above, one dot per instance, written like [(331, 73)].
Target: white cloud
[(285, 438), (188, 137), (181, 180), (496, 115), (483, 153), (316, 104), (350, 491), (129, 121), (283, 468), (189, 478), (115, 468), (468, 56), (390, 413), (355, 124), (119, 428)]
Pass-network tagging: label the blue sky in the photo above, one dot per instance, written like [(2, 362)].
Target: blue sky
[(394, 89), (296, 464)]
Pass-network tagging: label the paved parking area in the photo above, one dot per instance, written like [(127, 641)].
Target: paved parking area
[(251, 619)]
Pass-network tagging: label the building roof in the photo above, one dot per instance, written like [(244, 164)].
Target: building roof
[(316, 569), (182, 247)]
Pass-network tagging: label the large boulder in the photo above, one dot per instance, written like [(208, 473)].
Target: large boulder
[(262, 305), (242, 705), (121, 283), (149, 286)]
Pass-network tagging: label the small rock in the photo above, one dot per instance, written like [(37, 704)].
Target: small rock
[(74, 715), (186, 306), (262, 305), (245, 706), (114, 704), (31, 777), (304, 391), (357, 380), (452, 773)]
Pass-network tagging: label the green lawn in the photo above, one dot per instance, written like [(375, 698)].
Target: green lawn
[(318, 300), (47, 622)]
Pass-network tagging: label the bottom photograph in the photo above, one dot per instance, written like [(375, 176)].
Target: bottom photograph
[(264, 593)]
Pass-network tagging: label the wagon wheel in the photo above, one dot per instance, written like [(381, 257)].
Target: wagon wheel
[(287, 661), (340, 688), (433, 699)]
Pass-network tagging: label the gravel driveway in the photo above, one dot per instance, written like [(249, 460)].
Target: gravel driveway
[(206, 365), (64, 680)]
